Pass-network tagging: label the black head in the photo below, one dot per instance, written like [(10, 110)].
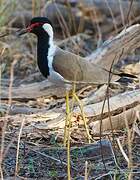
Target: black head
[(40, 20), (36, 26)]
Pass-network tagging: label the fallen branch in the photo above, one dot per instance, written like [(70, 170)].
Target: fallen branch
[(121, 45), (33, 90), (122, 106), (125, 104)]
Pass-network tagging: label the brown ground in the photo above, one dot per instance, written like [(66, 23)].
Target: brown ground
[(41, 150)]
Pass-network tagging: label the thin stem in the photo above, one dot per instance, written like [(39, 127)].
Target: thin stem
[(18, 146)]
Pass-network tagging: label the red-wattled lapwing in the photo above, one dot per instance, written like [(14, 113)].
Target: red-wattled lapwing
[(61, 66)]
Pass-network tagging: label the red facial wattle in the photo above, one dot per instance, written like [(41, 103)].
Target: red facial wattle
[(32, 26)]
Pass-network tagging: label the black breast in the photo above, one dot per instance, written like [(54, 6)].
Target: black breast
[(42, 54)]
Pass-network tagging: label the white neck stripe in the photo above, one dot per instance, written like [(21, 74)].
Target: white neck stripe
[(51, 50)]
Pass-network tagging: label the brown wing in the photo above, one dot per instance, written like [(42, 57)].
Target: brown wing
[(75, 68)]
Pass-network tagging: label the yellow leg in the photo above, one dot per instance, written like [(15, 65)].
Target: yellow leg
[(83, 116), (68, 148), (67, 119), (67, 134)]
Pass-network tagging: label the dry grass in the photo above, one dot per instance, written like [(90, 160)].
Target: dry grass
[(27, 150)]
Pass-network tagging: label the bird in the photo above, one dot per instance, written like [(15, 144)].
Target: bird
[(63, 67), (60, 66)]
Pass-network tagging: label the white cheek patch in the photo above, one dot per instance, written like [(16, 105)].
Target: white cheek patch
[(48, 28)]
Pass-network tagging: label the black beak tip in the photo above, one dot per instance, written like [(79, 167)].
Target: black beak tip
[(21, 32)]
